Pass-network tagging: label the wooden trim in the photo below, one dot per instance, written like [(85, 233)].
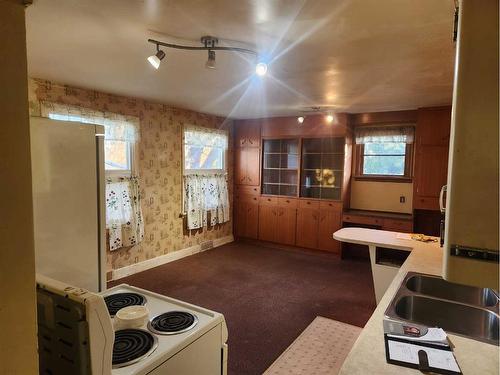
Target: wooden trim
[(393, 117)]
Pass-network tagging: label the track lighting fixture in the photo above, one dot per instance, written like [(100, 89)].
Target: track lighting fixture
[(210, 45), (210, 64), (300, 119), (155, 59)]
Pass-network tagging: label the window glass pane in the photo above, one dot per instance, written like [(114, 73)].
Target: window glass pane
[(384, 165), (116, 155), (387, 148), (200, 157)]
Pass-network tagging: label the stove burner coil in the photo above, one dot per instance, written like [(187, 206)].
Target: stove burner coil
[(172, 322), (115, 302), (132, 345)]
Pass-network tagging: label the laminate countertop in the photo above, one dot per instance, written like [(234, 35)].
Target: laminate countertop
[(368, 353)]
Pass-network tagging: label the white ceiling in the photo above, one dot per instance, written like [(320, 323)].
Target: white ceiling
[(350, 55)]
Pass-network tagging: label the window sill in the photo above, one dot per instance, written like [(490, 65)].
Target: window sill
[(401, 179)]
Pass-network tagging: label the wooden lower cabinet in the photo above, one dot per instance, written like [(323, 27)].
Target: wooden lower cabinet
[(286, 225), (307, 227), (268, 219), (330, 221), (247, 218)]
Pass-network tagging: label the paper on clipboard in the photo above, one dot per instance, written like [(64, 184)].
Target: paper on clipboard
[(438, 359)]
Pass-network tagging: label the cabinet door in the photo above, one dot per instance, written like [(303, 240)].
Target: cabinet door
[(287, 222), (330, 221), (431, 172), (267, 222), (247, 133), (252, 172), (433, 126), (252, 220), (240, 223), (307, 227), (239, 166)]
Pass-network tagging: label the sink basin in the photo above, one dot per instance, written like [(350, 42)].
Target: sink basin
[(429, 301), (439, 288), (452, 317)]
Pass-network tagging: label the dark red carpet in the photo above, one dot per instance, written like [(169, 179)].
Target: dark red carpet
[(267, 296)]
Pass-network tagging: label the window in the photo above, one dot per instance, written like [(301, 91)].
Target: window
[(206, 199), (204, 150), (121, 133), (384, 153)]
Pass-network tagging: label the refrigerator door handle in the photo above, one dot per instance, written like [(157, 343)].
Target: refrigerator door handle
[(442, 208)]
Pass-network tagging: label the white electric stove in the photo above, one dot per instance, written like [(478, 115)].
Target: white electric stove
[(180, 338), (188, 339)]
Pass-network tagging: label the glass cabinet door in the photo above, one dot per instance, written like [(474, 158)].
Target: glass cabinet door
[(280, 167), (322, 168)]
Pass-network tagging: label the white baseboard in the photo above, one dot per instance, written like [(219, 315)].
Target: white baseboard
[(167, 258)]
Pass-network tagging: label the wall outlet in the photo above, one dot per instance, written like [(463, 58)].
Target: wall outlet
[(402, 199)]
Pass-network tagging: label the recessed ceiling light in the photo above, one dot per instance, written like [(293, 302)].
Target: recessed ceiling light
[(300, 119), (261, 69), (210, 64), (155, 59)]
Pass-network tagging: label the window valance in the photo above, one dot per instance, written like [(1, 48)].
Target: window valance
[(117, 127), (385, 134), (205, 137)]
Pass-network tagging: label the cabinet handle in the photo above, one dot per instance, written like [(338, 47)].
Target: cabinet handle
[(315, 217), (308, 202), (322, 218), (287, 201)]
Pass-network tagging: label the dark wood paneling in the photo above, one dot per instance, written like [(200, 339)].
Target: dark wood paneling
[(313, 126), (391, 117)]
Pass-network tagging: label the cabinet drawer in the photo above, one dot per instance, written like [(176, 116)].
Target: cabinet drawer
[(246, 190), (288, 202), (304, 203), (273, 201), (426, 203), (248, 198), (359, 219), (332, 205), (398, 225)]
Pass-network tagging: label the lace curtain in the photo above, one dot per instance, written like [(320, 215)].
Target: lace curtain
[(384, 134), (206, 200), (117, 127), (123, 212)]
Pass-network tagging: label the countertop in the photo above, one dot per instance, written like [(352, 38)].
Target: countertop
[(381, 214), (368, 353)]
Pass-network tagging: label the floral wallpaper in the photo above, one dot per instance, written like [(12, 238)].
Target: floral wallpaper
[(159, 166)]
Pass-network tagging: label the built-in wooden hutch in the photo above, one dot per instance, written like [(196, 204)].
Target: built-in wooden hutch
[(292, 180)]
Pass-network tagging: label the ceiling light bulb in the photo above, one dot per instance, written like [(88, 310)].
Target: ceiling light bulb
[(210, 64), (261, 69), (329, 118), (300, 119), (155, 59)]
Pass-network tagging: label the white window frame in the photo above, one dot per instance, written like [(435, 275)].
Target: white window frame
[(186, 172), (112, 173)]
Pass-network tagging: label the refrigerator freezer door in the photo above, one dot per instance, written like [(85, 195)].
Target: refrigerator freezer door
[(67, 202)]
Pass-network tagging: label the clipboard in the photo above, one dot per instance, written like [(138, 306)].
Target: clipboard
[(438, 359)]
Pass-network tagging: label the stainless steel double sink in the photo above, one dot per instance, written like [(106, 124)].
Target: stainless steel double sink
[(433, 302)]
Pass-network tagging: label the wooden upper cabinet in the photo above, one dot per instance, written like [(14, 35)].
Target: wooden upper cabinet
[(433, 126), (431, 156), (247, 166), (247, 133)]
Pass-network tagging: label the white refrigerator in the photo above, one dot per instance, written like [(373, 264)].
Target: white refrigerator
[(67, 162)]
